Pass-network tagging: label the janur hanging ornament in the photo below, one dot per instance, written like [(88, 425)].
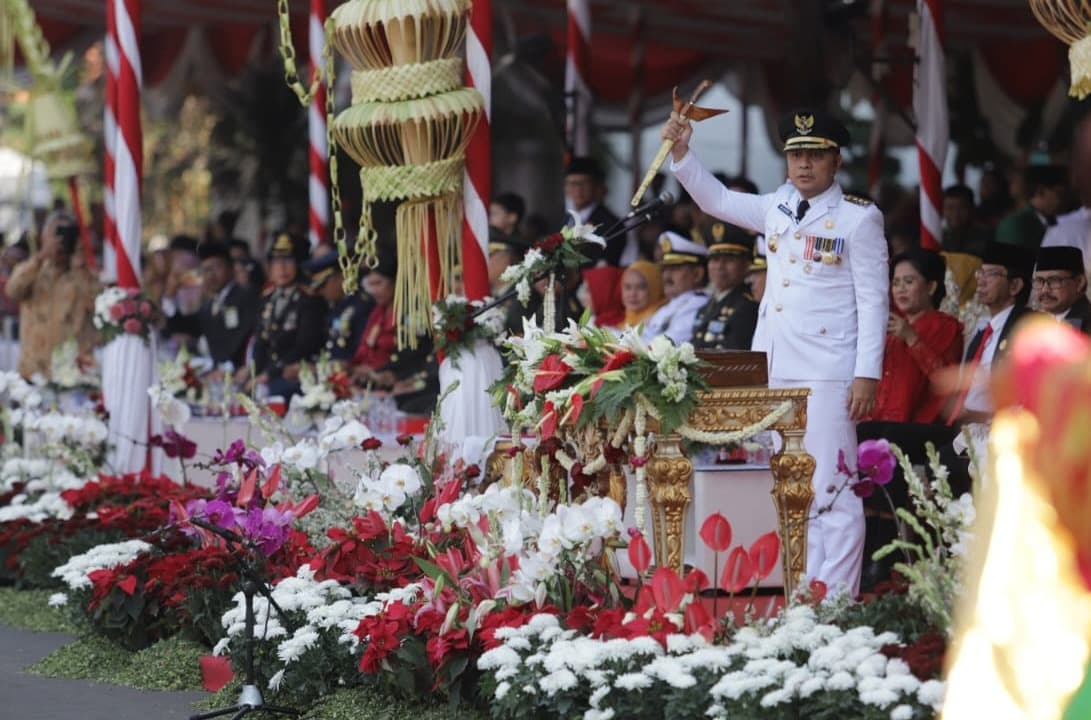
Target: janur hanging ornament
[(408, 127), (53, 129), (1070, 21)]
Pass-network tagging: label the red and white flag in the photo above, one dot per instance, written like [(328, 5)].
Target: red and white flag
[(477, 181), (930, 107), (318, 185), (577, 73)]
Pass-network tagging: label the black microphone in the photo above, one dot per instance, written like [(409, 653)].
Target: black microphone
[(664, 198)]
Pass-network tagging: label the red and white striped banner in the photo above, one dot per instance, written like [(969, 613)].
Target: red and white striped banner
[(577, 71), (319, 189), (477, 181), (109, 130), (129, 147), (930, 107)]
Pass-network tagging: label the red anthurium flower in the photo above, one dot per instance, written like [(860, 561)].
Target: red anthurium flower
[(247, 487), (271, 484), (696, 581), (818, 590), (618, 360), (698, 620), (576, 408), (551, 373), (640, 555), (548, 423), (667, 589), (738, 572), (764, 554), (716, 532)]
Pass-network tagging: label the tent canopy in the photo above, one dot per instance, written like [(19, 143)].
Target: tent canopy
[(679, 37)]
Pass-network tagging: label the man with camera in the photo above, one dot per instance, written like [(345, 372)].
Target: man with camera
[(56, 295)]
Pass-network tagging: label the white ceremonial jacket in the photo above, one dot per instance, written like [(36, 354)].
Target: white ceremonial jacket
[(676, 319), (824, 313)]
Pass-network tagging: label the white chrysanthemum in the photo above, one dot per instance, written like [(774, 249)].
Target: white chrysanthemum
[(633, 681), (58, 599)]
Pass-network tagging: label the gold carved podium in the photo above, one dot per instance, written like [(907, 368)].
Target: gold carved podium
[(723, 410)]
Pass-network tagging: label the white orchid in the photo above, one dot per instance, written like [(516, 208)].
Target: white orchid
[(584, 232)]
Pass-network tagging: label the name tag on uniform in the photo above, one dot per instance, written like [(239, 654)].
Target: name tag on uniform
[(231, 318), (716, 327)]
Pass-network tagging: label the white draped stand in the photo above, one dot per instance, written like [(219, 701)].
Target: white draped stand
[(469, 419), (128, 370)]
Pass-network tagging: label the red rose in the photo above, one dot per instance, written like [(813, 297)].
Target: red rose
[(549, 243), (404, 439), (132, 326), (372, 443), (116, 312)]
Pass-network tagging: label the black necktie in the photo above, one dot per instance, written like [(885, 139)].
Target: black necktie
[(802, 209)]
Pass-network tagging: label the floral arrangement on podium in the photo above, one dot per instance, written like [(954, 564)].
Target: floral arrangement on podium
[(322, 387), (456, 327), (124, 312), (591, 396)]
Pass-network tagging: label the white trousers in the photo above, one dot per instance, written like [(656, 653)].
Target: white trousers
[(835, 533)]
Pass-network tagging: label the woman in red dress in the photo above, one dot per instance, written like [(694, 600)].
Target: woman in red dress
[(920, 340)]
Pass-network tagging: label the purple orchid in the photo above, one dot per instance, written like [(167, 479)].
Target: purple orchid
[(220, 513), (238, 454), (267, 528), (875, 461)]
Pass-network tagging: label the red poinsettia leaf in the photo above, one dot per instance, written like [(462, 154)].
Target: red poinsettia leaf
[(271, 484), (698, 620), (738, 572), (640, 555), (667, 589), (818, 590), (764, 553), (696, 581), (551, 373), (128, 585), (246, 489), (716, 532)]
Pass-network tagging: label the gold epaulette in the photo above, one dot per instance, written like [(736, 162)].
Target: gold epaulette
[(857, 200)]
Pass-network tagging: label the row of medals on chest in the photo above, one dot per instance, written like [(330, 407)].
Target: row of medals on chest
[(827, 258)]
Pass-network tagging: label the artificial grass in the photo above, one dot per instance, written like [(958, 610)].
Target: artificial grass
[(29, 610), (170, 664)]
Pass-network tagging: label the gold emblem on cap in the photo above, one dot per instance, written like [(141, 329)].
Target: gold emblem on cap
[(804, 124), (284, 242), (718, 231)]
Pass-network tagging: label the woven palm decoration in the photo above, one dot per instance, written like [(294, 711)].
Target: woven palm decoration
[(408, 127), (1070, 21), (55, 136)]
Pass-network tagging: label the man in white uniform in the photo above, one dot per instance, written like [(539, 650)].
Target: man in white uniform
[(822, 320), (683, 268)]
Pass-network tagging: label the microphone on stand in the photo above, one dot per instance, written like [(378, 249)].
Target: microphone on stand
[(665, 198), (644, 212)]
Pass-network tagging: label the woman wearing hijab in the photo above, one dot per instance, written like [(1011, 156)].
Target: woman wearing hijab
[(641, 292)]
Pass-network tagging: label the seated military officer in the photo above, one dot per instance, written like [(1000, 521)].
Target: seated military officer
[(758, 269), (727, 322), (230, 311), (292, 323), (683, 268), (348, 314)]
